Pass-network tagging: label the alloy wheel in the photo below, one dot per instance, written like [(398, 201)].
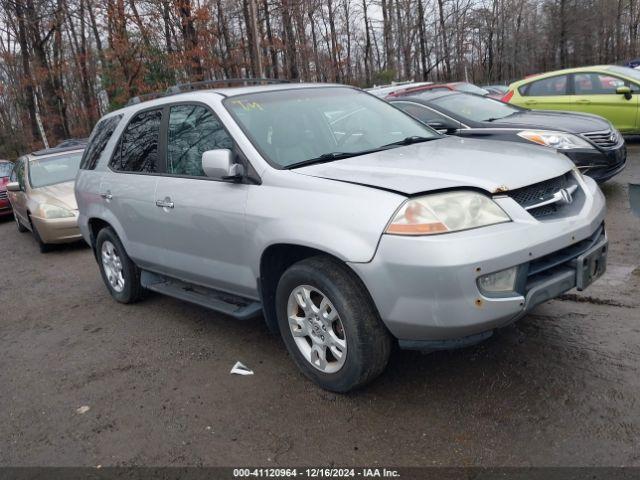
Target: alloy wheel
[(317, 329), (112, 265)]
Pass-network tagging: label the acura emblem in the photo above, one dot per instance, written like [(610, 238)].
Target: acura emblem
[(565, 196)]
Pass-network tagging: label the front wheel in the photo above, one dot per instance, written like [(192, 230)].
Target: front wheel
[(21, 228), (330, 325), (44, 247), (119, 273)]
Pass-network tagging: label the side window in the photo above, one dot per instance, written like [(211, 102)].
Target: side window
[(14, 173), (17, 175), (138, 147), (193, 129), (547, 87), (596, 84), (98, 141), (425, 115)]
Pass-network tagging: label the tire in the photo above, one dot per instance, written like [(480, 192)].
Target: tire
[(367, 343), (44, 247), (21, 228), (126, 287)]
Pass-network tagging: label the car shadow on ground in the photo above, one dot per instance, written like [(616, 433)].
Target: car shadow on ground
[(539, 357), (53, 248)]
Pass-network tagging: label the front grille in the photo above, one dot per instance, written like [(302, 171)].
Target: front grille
[(604, 138), (531, 195), (3, 195)]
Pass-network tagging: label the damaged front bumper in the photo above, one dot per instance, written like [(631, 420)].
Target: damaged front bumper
[(427, 289)]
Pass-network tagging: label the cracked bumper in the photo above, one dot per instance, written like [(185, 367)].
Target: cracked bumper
[(425, 288)]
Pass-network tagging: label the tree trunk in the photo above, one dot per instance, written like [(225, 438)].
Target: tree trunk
[(367, 45), (190, 37), (26, 69), (387, 32), (290, 41)]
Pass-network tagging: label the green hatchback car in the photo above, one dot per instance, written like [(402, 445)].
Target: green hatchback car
[(610, 91)]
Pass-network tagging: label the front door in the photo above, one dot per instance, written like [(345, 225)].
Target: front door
[(202, 220), (19, 199), (596, 93)]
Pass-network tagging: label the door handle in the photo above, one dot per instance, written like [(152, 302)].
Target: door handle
[(583, 102), (166, 203), (530, 102), (106, 195)]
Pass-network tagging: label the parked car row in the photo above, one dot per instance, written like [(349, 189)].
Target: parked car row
[(347, 223)]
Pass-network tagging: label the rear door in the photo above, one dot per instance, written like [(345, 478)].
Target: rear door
[(551, 93), (128, 187), (201, 220), (596, 93)]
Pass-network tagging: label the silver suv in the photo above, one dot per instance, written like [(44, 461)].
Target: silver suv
[(343, 221)]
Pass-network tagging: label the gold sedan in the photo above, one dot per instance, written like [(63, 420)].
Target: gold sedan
[(40, 190)]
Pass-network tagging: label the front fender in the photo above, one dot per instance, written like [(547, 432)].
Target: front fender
[(338, 218)]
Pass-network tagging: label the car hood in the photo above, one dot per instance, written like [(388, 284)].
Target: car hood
[(60, 194), (447, 163), (548, 120)]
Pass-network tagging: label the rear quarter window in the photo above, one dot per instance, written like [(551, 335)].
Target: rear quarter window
[(98, 141)]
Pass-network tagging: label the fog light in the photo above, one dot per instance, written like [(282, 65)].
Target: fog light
[(499, 282)]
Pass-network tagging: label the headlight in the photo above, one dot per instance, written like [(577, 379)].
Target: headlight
[(445, 212), (53, 211), (558, 140)]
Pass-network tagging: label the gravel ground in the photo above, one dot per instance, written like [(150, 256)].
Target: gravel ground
[(559, 387)]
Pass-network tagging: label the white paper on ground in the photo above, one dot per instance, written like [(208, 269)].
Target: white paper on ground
[(240, 369)]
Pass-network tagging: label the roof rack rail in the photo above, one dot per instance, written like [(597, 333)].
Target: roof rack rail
[(180, 87), (143, 98)]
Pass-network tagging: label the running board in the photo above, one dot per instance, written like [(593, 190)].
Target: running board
[(238, 307)]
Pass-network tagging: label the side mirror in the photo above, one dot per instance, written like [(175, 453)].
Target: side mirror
[(13, 187), (219, 164), (626, 91)]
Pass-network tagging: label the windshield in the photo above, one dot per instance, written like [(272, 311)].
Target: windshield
[(470, 88), (50, 171), (5, 169), (472, 107), (626, 71), (292, 126)]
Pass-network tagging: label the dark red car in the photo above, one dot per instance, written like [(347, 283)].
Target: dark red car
[(441, 87), (5, 171)]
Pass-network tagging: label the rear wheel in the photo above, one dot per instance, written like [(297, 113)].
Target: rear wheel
[(119, 273), (330, 325), (21, 228)]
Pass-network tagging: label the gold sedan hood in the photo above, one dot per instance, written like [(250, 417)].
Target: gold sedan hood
[(60, 194)]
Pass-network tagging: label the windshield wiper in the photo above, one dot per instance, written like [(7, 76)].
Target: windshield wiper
[(329, 157), (410, 141)]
